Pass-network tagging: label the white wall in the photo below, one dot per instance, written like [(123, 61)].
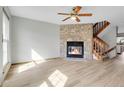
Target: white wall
[(121, 29), (34, 40), (109, 36)]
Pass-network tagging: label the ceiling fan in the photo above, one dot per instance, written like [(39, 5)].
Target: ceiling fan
[(75, 14)]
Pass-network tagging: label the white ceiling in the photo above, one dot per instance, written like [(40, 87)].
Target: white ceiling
[(114, 14)]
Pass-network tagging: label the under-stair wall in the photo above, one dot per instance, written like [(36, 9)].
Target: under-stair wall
[(109, 36)]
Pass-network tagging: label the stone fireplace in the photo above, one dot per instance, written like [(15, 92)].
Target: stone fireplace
[(70, 35)]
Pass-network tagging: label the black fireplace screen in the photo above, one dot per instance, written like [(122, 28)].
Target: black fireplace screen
[(75, 49)]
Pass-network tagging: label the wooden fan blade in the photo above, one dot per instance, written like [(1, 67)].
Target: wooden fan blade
[(85, 14), (63, 14), (66, 18), (77, 9), (77, 19)]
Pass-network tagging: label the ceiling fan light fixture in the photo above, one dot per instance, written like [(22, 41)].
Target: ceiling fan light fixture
[(73, 17)]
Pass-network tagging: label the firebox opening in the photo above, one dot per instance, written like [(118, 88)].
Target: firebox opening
[(75, 49)]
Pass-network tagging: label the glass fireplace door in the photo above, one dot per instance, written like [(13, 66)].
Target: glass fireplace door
[(75, 49)]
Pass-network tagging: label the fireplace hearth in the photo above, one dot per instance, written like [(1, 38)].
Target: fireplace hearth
[(75, 49)]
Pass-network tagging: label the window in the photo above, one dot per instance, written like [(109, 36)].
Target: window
[(5, 39)]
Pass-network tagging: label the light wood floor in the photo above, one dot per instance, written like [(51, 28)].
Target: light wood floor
[(59, 72)]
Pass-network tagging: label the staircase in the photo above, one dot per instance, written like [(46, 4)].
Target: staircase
[(99, 46)]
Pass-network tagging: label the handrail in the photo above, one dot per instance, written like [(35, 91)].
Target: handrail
[(95, 24), (109, 50)]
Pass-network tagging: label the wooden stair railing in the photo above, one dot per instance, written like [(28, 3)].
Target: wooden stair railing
[(99, 27), (106, 52), (100, 47)]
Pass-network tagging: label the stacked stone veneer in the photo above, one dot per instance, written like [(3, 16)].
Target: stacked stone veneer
[(77, 32)]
